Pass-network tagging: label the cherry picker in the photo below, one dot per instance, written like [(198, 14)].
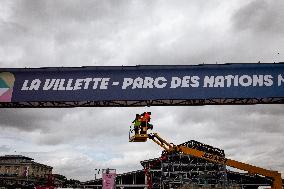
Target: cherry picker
[(143, 136)]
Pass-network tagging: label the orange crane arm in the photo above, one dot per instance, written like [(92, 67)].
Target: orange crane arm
[(274, 175)]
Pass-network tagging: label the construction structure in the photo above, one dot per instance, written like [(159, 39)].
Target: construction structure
[(176, 170)]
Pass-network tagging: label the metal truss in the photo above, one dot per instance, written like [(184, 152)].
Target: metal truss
[(176, 170), (142, 103)]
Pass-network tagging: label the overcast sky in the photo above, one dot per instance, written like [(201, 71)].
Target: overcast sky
[(40, 33)]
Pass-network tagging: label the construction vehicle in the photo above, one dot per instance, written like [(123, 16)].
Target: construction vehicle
[(169, 148)]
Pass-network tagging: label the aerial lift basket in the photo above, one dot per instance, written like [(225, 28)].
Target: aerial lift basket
[(140, 137)]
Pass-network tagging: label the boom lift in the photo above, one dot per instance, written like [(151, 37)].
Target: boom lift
[(171, 148)]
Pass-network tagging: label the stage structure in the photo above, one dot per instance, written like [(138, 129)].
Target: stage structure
[(130, 86), (176, 170)]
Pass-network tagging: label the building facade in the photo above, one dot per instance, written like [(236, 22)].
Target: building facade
[(22, 167)]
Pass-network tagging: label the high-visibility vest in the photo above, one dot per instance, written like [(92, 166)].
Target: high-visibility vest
[(137, 123)]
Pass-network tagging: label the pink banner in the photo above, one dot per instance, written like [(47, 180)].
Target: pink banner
[(109, 180)]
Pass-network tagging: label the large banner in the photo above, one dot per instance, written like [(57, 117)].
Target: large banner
[(142, 83)]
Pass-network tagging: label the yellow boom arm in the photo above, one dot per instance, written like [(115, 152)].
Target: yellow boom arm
[(274, 175)]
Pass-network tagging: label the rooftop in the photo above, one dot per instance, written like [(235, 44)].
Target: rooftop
[(15, 157)]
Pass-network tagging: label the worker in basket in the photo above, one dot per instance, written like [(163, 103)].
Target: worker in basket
[(137, 124), (145, 125)]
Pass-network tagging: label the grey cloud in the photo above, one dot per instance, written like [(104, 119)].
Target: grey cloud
[(38, 30), (66, 125), (115, 33), (246, 133), (67, 11), (29, 119), (69, 163), (96, 124), (4, 149), (63, 125), (51, 139), (9, 30), (260, 16), (267, 117), (73, 163)]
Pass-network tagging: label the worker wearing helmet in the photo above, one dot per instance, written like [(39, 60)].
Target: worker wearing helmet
[(137, 124), (145, 119), (147, 116)]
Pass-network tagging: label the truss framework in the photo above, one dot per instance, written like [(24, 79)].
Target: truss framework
[(176, 170), (137, 103)]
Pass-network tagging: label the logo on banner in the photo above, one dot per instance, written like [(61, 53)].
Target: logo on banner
[(7, 80)]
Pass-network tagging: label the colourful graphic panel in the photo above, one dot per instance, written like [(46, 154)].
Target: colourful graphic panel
[(7, 80)]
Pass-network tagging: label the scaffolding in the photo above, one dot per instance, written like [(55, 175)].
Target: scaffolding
[(176, 169)]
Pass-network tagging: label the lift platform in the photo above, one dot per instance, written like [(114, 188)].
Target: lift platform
[(139, 131), (139, 138)]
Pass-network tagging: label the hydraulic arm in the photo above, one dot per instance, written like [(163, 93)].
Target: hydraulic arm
[(171, 148)]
